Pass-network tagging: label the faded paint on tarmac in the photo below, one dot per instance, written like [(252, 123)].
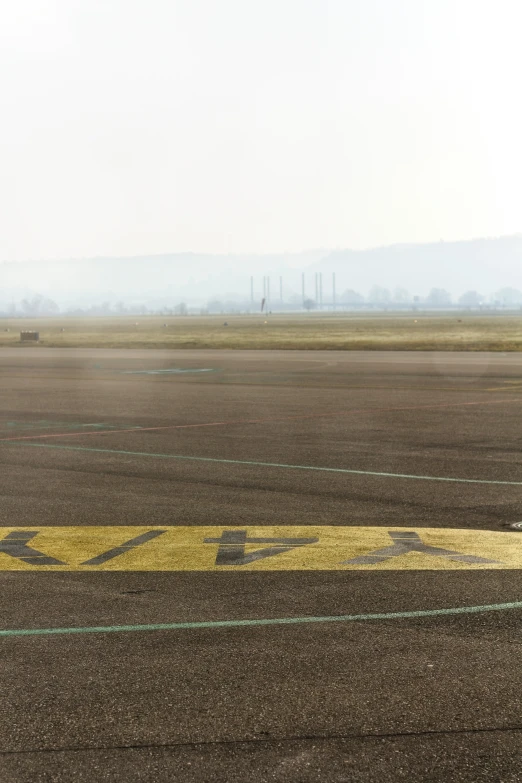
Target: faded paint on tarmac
[(255, 548)]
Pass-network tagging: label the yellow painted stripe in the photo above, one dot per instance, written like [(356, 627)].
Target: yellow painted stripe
[(186, 549)]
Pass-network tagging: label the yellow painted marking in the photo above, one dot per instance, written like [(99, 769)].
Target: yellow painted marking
[(184, 548)]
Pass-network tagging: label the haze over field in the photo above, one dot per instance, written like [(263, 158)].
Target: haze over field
[(486, 267)]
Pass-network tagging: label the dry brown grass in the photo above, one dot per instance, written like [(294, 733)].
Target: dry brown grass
[(411, 332)]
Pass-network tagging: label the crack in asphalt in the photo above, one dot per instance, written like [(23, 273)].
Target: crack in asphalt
[(268, 740)]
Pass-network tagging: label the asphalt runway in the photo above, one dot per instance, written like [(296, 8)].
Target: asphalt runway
[(262, 566)]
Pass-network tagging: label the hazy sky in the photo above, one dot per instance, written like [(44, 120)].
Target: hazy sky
[(136, 126)]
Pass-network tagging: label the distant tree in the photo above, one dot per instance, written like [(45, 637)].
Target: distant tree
[(438, 296), (509, 296), (470, 299), (351, 297), (309, 304), (401, 296), (49, 307), (181, 309), (379, 295), (39, 305)]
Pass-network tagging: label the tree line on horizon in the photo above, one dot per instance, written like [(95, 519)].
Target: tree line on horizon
[(379, 296)]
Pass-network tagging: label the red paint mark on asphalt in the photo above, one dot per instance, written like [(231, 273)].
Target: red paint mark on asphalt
[(261, 421)]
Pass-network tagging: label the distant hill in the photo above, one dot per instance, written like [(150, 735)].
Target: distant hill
[(485, 265), (193, 276)]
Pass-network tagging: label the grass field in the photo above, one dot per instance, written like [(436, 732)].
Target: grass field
[(316, 331)]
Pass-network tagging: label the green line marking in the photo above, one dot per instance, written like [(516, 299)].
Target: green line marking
[(344, 618), (264, 464)]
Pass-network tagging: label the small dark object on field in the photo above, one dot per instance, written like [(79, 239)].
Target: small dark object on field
[(459, 320), (165, 324), (7, 330), (62, 330), (226, 323), (27, 335)]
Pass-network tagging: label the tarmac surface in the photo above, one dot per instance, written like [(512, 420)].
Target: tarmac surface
[(277, 448)]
